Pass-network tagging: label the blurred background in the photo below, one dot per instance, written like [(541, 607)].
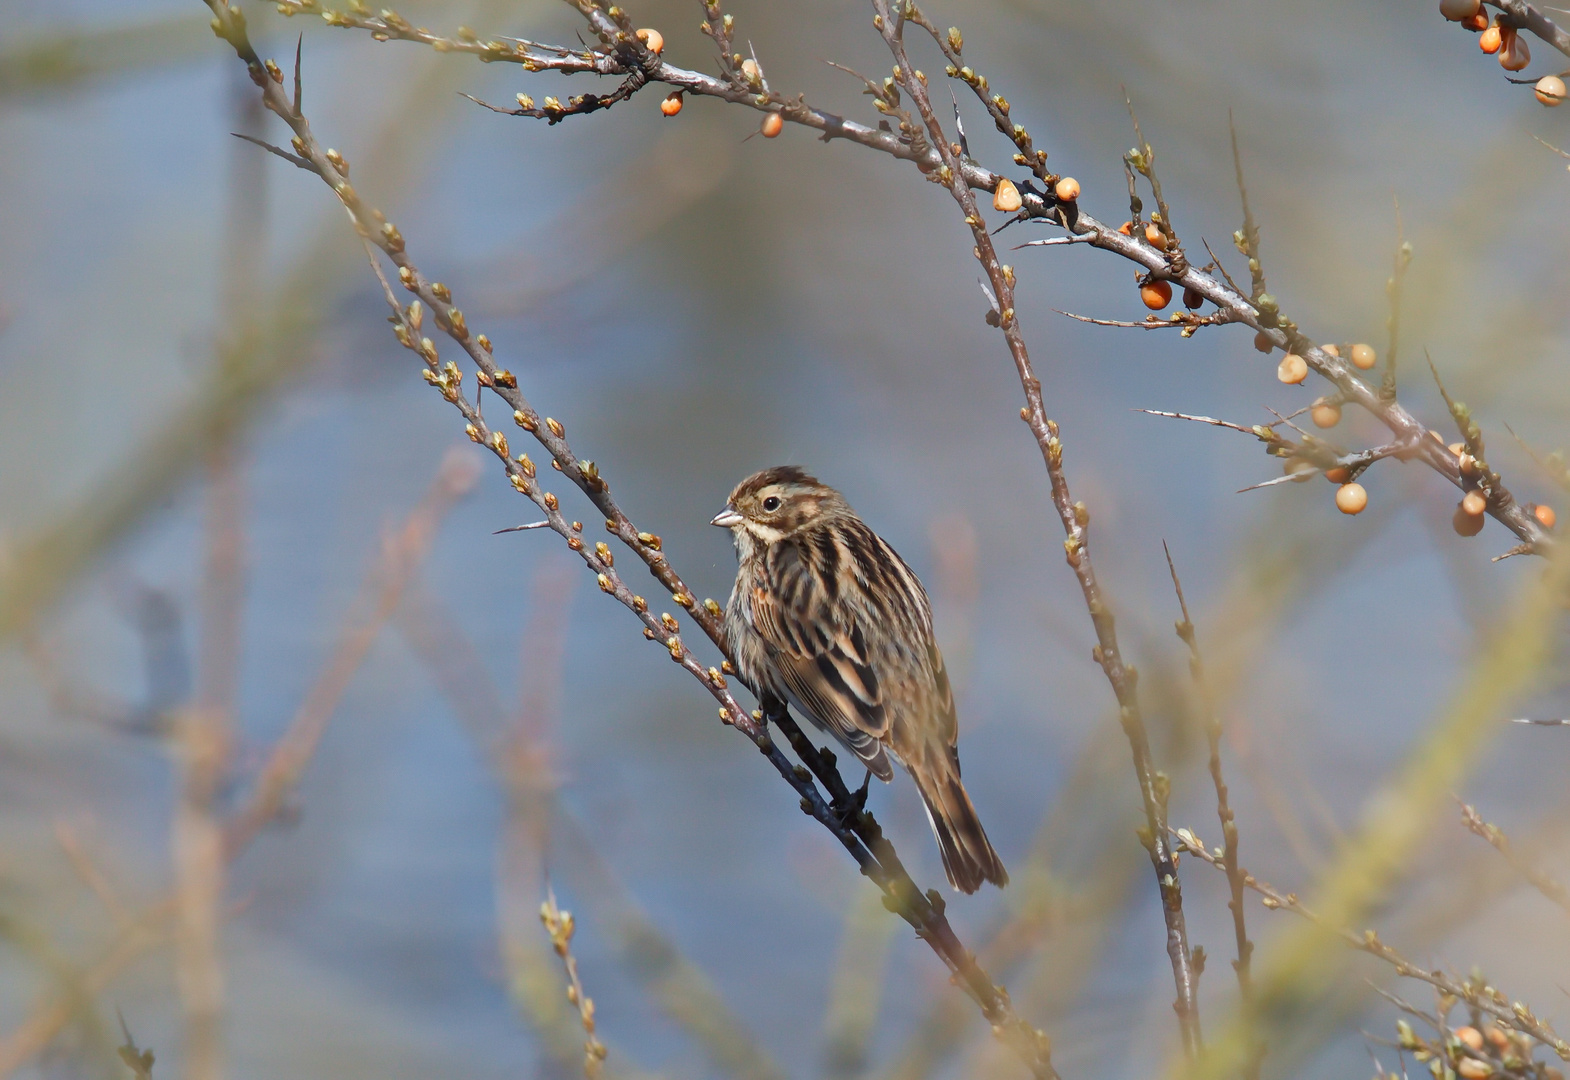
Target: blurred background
[(222, 481)]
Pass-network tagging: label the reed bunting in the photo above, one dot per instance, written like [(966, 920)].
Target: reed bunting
[(827, 617)]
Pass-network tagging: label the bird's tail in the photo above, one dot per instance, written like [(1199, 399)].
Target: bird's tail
[(968, 857)]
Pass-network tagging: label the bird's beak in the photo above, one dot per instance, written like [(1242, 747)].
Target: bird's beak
[(726, 519)]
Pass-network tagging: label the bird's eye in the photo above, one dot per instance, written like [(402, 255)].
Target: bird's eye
[(771, 504)]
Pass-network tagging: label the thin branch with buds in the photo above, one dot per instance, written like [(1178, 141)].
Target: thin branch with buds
[(1228, 820), (1075, 516)]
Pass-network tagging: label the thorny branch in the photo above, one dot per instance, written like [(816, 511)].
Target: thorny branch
[(623, 54), (859, 833), (1481, 996), (1075, 516)]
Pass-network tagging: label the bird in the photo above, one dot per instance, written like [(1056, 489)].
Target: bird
[(826, 617)]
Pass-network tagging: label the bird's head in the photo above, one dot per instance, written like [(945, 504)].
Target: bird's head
[(772, 504)]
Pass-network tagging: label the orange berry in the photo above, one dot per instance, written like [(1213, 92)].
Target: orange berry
[(1468, 465), (751, 71), (1066, 189), (1339, 475), (1490, 40), (1471, 1068), (652, 40), (1471, 1037), (1333, 350), (1263, 343), (1514, 55), (1155, 237), (1456, 448), (1545, 515), (1497, 1037), (1466, 524), (1006, 197), (1326, 414), (1156, 294), (1127, 228), (1292, 370), (1363, 356), (1473, 503), (1477, 22), (773, 124), (1456, 10), (1351, 498), (1550, 90), (671, 105)]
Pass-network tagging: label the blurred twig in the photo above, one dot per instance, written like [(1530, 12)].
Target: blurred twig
[(40, 566), (284, 766), (524, 763), (68, 58), (1501, 843)]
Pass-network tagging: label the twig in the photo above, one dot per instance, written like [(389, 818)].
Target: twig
[(1075, 517), (139, 1061), (1247, 239), (1484, 998), (1229, 834), (1403, 259), (1501, 843), (559, 926)]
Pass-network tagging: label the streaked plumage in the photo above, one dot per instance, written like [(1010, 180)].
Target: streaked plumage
[(827, 617)]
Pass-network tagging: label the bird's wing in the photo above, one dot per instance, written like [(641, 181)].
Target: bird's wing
[(820, 650)]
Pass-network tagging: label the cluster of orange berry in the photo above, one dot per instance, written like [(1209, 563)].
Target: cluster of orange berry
[(1471, 1054), (1498, 38), (1470, 512)]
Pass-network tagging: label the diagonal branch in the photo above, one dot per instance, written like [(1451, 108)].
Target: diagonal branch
[(1075, 517)]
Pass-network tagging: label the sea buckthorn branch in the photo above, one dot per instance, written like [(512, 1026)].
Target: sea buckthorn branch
[(1476, 993), (1154, 786), (1243, 965), (1496, 837), (857, 832), (1259, 313)]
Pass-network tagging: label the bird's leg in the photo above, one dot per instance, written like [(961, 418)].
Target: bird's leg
[(857, 802)]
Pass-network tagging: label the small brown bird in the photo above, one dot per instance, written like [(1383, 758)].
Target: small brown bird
[(826, 616)]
